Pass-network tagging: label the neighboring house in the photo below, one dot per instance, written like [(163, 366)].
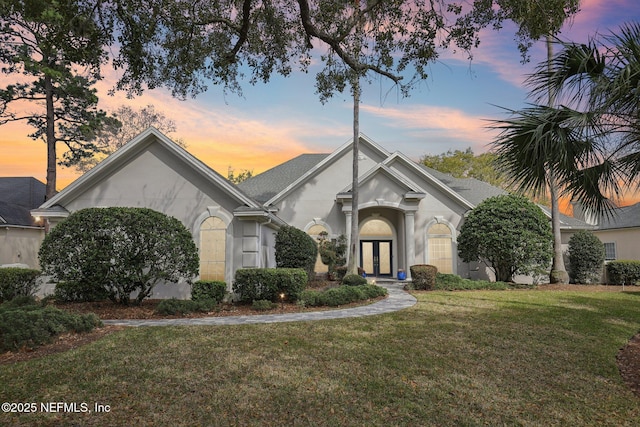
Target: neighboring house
[(20, 233), (620, 233), (409, 214)]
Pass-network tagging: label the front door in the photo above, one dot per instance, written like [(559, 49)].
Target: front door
[(375, 257)]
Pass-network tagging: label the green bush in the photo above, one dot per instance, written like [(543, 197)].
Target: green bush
[(122, 250), (423, 276), (340, 295), (623, 272), (79, 292), (263, 305), (586, 257), (296, 249), (452, 282), (16, 282), (213, 290), (31, 325), (354, 280), (332, 252), (269, 283), (180, 307), (509, 233)]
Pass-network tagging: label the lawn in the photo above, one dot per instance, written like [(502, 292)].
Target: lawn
[(533, 358)]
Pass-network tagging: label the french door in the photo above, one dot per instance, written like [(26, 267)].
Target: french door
[(375, 257)]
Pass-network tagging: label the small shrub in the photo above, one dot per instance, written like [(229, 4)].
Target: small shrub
[(80, 292), (623, 272), (17, 281), (269, 283), (340, 272), (263, 305), (32, 325), (586, 257), (213, 290), (180, 307), (423, 276), (310, 298), (354, 280)]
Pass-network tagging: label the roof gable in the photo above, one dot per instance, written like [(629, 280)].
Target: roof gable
[(135, 148), (292, 179), (624, 217)]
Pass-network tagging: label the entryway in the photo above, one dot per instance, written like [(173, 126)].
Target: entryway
[(375, 257)]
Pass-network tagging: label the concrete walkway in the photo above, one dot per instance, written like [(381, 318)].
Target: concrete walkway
[(397, 300)]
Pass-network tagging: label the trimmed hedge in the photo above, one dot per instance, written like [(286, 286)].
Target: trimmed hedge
[(452, 282), (17, 282), (252, 284), (340, 295), (623, 272), (30, 325), (423, 276), (211, 290)]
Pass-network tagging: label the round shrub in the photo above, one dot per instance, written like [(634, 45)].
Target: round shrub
[(354, 280), (423, 276), (296, 249), (122, 250), (586, 257), (509, 233)]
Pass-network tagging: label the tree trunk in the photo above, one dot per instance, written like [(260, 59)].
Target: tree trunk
[(352, 264), (50, 190), (558, 272)]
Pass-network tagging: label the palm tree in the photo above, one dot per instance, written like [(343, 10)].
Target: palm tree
[(590, 152), (601, 80)]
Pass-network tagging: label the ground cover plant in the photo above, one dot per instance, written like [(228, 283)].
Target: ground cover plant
[(25, 324), (527, 357)]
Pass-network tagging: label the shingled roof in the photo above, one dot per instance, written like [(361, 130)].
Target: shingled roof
[(18, 195), (625, 217), (264, 186)]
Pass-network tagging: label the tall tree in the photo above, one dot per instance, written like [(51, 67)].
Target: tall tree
[(537, 20), (55, 50), (187, 46), (589, 148), (125, 125)]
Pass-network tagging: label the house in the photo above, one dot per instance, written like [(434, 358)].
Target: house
[(620, 233), (20, 233), (408, 214)]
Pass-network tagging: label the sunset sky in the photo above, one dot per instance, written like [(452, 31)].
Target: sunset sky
[(274, 122)]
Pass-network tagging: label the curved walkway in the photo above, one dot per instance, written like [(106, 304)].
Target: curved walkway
[(397, 300)]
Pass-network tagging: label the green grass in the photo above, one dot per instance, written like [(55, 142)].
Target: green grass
[(531, 358)]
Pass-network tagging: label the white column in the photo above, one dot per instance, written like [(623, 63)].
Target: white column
[(410, 241), (347, 227)]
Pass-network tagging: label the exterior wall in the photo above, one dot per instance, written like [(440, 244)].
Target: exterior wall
[(626, 240), (158, 180), (20, 245)]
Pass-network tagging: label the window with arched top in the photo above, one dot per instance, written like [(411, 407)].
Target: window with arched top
[(213, 244), (439, 244), (376, 228), (316, 231)]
